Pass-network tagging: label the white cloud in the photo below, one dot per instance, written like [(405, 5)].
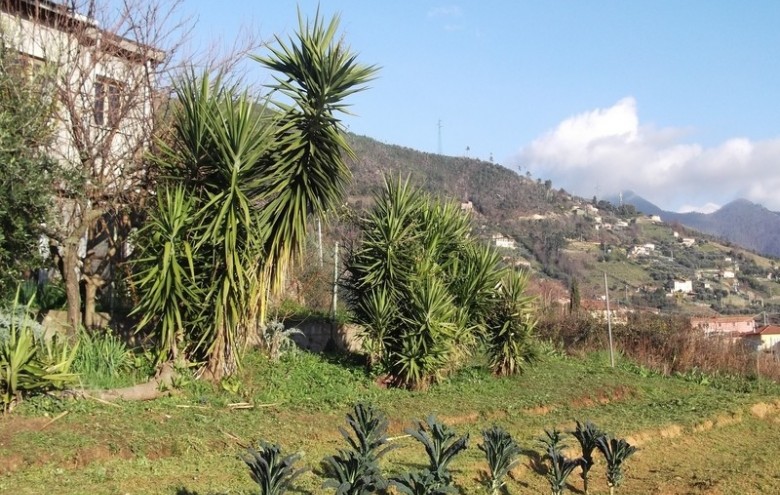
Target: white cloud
[(445, 11), (604, 151)]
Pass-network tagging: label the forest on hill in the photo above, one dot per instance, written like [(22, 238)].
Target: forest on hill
[(564, 238)]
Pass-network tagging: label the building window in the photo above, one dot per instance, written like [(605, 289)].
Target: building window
[(107, 104)]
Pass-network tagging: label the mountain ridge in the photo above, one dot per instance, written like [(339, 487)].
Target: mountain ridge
[(741, 221)]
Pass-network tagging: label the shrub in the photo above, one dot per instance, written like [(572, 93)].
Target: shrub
[(101, 358), (510, 326)]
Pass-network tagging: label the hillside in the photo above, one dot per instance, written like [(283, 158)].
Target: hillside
[(563, 237), (741, 222)]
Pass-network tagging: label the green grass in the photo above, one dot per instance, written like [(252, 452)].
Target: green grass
[(189, 442)]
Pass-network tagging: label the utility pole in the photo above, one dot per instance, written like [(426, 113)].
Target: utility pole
[(319, 238), (439, 129), (335, 279), (609, 324)]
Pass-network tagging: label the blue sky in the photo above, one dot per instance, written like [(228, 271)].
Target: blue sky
[(677, 101)]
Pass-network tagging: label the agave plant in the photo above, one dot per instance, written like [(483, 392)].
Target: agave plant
[(501, 452), (560, 467), (441, 444), (616, 452), (29, 362), (272, 472), (357, 471), (586, 434)]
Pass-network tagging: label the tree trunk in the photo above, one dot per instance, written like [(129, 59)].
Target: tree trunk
[(71, 274), (91, 283)]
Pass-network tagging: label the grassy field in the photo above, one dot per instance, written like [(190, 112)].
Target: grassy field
[(696, 436)]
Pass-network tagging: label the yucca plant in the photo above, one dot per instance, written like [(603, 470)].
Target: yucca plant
[(501, 452), (586, 434), (510, 326), (257, 176), (441, 444), (616, 452), (165, 272), (357, 471), (559, 469), (425, 345), (273, 472), (420, 483)]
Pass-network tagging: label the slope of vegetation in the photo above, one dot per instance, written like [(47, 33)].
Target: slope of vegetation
[(190, 441)]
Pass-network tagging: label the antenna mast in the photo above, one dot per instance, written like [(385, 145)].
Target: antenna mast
[(439, 128)]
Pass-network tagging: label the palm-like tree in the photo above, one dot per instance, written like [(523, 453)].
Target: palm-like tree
[(258, 174)]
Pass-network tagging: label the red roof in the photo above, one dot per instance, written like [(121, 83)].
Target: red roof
[(769, 330)]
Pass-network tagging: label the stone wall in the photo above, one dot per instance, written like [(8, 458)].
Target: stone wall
[(317, 333)]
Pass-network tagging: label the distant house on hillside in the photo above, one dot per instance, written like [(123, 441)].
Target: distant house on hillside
[(502, 241), (684, 286), (725, 325), (765, 338), (467, 206), (727, 274), (598, 309)]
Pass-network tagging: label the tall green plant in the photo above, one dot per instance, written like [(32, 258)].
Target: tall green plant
[(166, 277), (273, 472), (616, 452), (307, 174), (442, 446), (501, 453), (510, 326), (586, 434), (27, 104), (257, 176), (420, 285)]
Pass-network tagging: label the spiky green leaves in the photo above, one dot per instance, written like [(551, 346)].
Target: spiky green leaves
[(586, 434), (441, 444), (425, 291), (273, 472), (256, 177), (307, 175), (30, 363), (165, 276), (357, 471), (616, 452), (510, 326), (501, 452)]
